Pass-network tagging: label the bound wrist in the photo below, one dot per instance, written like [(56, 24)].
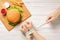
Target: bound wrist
[(30, 33)]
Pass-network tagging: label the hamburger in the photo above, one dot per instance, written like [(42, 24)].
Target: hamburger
[(14, 15)]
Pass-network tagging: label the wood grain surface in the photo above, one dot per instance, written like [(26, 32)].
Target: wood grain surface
[(25, 14)]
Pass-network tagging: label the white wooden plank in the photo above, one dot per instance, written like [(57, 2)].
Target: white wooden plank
[(48, 1), (39, 10), (42, 7)]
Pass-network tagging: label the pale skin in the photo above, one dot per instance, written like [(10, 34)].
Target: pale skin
[(27, 26), (52, 16)]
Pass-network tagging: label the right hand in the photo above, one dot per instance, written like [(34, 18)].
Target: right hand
[(52, 17)]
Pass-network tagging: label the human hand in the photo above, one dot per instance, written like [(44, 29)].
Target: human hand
[(52, 17), (26, 26)]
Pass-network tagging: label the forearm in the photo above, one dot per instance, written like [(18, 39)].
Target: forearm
[(29, 38), (57, 12), (37, 36)]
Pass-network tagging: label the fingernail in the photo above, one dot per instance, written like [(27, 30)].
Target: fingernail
[(28, 23)]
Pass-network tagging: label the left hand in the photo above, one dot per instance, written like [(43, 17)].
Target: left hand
[(26, 26)]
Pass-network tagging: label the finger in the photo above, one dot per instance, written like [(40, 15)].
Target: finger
[(24, 27), (50, 20), (29, 25), (21, 28)]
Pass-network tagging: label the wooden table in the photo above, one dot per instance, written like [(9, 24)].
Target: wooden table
[(39, 10)]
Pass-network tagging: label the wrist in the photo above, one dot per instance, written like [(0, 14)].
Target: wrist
[(30, 32)]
